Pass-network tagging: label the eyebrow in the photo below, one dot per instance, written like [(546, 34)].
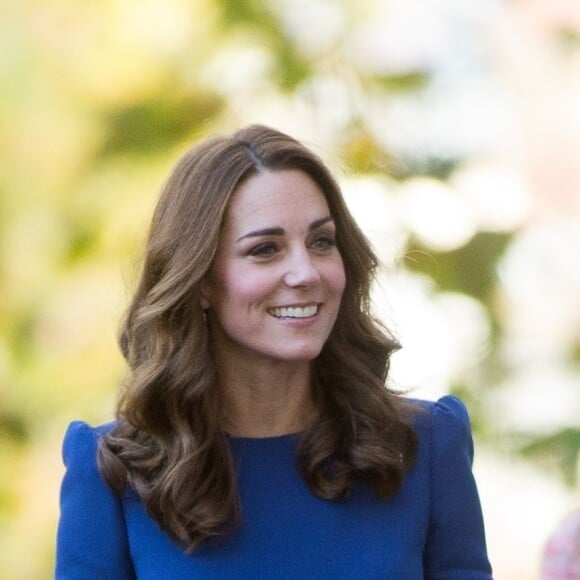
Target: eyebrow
[(280, 231)]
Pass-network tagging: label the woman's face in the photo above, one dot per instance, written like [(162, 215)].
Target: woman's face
[(276, 283)]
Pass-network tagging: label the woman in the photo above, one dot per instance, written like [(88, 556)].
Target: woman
[(255, 437)]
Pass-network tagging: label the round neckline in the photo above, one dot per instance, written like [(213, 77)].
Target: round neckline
[(266, 439)]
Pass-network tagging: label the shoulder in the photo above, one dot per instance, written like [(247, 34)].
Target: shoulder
[(84, 430), (455, 544), (447, 413), (444, 424), (81, 442), (449, 406), (91, 539)]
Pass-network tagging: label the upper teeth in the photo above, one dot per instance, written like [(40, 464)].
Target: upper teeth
[(294, 311)]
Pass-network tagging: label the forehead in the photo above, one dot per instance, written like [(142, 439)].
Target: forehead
[(271, 198)]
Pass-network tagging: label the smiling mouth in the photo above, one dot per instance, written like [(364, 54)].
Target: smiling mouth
[(294, 311)]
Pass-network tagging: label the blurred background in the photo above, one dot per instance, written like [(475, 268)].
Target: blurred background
[(454, 129)]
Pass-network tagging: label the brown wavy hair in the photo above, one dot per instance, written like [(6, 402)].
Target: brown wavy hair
[(168, 445)]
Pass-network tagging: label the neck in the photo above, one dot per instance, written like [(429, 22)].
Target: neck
[(267, 400)]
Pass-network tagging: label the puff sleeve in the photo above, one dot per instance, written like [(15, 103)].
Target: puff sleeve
[(455, 547), (91, 539)]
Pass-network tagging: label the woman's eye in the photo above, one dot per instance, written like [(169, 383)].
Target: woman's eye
[(324, 243), (263, 250)]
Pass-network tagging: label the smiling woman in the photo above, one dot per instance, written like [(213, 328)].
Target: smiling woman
[(276, 282), (256, 396)]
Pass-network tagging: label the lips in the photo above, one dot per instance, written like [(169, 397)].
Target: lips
[(294, 311)]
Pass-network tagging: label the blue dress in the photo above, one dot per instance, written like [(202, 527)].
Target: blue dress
[(432, 528)]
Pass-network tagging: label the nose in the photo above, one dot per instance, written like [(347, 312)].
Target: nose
[(301, 271)]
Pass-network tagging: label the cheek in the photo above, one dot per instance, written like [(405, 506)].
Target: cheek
[(336, 277), (244, 285)]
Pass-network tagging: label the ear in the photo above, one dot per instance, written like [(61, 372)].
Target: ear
[(205, 293)]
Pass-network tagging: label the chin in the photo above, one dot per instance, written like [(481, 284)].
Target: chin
[(300, 354)]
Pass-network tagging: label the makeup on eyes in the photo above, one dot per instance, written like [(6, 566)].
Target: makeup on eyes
[(278, 231), (321, 240)]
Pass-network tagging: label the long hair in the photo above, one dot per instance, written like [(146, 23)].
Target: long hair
[(168, 445)]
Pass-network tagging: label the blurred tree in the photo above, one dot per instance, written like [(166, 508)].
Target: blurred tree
[(99, 98)]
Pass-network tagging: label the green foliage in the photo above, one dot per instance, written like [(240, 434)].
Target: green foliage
[(403, 83), (470, 269), (558, 451), (92, 117), (157, 123), (364, 155), (257, 17), (12, 426), (251, 13)]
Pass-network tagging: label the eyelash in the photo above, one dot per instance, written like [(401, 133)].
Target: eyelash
[(327, 241), (262, 250), (267, 249)]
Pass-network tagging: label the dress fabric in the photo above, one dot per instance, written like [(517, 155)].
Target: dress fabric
[(432, 529)]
